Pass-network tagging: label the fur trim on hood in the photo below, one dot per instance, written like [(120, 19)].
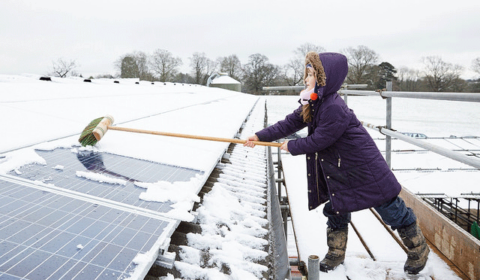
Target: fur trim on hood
[(313, 59)]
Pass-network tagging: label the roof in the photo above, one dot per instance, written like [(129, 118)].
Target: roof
[(231, 237), (149, 182), (224, 79)]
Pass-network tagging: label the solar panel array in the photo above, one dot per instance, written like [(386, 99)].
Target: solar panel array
[(120, 167), (74, 228)]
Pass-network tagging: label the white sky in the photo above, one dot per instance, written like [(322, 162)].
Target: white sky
[(97, 32)]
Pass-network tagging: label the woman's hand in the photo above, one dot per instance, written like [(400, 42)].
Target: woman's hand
[(249, 142), (285, 146)]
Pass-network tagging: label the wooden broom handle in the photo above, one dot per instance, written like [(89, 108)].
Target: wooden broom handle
[(237, 141)]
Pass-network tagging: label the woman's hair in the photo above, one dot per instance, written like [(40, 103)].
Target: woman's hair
[(306, 113)]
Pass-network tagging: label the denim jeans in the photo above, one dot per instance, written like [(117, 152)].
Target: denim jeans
[(394, 213)]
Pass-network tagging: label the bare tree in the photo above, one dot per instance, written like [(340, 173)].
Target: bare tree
[(475, 85), (440, 75), (183, 78), (476, 65), (293, 71), (361, 62), (104, 76), (408, 79), (302, 51), (165, 65), (202, 67), (62, 68), (231, 65), (258, 72), (134, 65), (211, 68)]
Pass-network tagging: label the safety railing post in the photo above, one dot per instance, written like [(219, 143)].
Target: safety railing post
[(313, 267), (279, 169), (388, 147)]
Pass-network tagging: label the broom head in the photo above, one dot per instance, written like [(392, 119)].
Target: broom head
[(87, 138)]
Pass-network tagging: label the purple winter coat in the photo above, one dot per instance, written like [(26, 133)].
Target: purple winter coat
[(344, 164)]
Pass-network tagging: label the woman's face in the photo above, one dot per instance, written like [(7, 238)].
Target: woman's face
[(310, 79)]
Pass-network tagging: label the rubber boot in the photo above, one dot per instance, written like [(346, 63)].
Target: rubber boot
[(337, 244), (418, 250)]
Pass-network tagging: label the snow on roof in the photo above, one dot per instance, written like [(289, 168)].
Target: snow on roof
[(223, 79), (233, 219), (47, 115), (34, 112)]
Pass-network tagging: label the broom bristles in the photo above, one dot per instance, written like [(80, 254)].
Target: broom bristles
[(87, 138)]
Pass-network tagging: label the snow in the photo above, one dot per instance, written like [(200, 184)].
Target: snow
[(232, 233), (233, 217), (37, 112), (182, 194), (48, 115), (58, 167), (100, 178), (16, 159), (225, 80)]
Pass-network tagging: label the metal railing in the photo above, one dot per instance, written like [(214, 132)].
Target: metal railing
[(387, 130), (300, 88), (389, 133)]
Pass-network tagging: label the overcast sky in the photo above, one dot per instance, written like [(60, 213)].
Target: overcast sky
[(95, 33)]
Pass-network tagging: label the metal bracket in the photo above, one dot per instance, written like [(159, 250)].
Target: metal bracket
[(380, 92), (166, 260)]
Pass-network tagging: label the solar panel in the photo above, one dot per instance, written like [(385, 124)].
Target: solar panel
[(69, 227), (63, 165), (43, 234)]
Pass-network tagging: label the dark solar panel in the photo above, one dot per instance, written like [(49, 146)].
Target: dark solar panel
[(44, 235), (76, 228), (119, 167)]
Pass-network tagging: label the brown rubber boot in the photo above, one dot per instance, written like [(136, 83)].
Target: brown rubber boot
[(418, 250), (337, 244)]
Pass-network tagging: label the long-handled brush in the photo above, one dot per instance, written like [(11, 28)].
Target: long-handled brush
[(97, 128)]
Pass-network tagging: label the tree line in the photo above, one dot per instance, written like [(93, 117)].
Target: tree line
[(365, 67)]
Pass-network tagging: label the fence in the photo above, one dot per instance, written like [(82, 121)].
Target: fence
[(387, 129), (388, 94)]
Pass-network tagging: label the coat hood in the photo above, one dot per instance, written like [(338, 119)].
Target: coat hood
[(331, 69)]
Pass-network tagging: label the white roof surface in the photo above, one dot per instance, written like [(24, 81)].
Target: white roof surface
[(225, 80), (34, 113)]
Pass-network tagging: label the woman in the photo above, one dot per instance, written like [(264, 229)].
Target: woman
[(345, 169)]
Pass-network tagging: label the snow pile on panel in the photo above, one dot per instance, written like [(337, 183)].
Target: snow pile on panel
[(182, 194)]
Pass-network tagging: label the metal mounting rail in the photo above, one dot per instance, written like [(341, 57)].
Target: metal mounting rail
[(434, 148), (451, 96)]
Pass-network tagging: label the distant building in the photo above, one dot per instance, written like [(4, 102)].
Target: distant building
[(222, 80)]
